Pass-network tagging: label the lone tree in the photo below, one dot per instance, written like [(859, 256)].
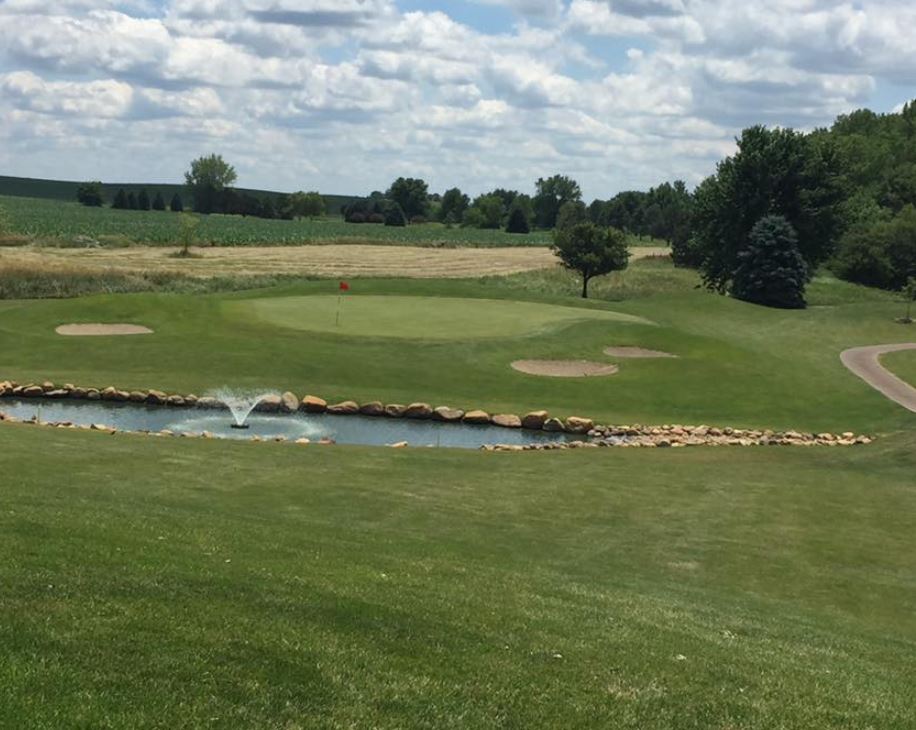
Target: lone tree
[(454, 204), (411, 194), (158, 202), (591, 250), (207, 179), (518, 220), (771, 270), (176, 206), (90, 194), (187, 233), (550, 196), (306, 205)]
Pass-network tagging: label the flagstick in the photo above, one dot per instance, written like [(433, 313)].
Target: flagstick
[(337, 322)]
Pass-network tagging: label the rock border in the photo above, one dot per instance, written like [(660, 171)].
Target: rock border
[(631, 436)]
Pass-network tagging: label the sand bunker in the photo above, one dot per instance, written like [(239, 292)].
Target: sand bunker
[(635, 352), (100, 330), (564, 368)]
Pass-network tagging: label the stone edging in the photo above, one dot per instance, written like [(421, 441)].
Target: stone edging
[(633, 436)]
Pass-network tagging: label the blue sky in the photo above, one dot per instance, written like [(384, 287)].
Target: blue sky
[(346, 95)]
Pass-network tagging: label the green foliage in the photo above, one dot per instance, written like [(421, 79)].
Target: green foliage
[(394, 215), (572, 213), (518, 220), (120, 200), (486, 212), (411, 195), (158, 202), (550, 195), (206, 180), (882, 254), (131, 201), (775, 172), (90, 194), (187, 232), (771, 270), (452, 206), (909, 296), (306, 205), (591, 250), (143, 200), (176, 205)]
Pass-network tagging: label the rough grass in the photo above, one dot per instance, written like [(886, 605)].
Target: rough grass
[(903, 364), (152, 583)]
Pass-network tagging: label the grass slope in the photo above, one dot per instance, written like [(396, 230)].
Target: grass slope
[(739, 364), (903, 364), (154, 583)]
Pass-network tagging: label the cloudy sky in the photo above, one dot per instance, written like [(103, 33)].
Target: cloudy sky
[(345, 95)]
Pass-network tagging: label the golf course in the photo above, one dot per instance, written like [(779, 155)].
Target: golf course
[(152, 582)]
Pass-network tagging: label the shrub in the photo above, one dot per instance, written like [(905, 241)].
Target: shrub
[(90, 193), (518, 221), (771, 270), (394, 216), (375, 218), (881, 255), (417, 219), (356, 218)]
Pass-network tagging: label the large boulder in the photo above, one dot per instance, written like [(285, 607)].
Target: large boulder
[(269, 404), (155, 398), (373, 408), (33, 391), (419, 411), (574, 424), (176, 401), (447, 415), (209, 403), (345, 408), (289, 403), (506, 420), (313, 404), (477, 417), (137, 396), (553, 425), (395, 410), (535, 420)]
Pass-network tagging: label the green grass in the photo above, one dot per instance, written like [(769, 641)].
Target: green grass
[(903, 364), (411, 317), (61, 222), (738, 364), (153, 583)]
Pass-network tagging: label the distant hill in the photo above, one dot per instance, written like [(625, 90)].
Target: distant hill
[(31, 187)]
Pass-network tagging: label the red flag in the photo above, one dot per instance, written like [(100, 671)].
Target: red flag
[(344, 286)]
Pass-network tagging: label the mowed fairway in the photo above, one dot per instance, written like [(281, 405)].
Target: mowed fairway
[(431, 318)]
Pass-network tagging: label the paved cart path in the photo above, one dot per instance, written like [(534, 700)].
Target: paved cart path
[(863, 361)]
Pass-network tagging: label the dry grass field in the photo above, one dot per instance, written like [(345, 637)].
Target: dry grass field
[(324, 261)]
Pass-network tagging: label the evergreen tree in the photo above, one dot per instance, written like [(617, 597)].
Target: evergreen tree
[(518, 221), (176, 206), (771, 270), (143, 200), (131, 200), (120, 200), (158, 202)]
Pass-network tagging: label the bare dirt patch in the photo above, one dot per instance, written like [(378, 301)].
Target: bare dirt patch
[(635, 352), (331, 260), (564, 368), (102, 330)]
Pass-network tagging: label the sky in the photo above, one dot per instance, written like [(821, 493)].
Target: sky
[(343, 96)]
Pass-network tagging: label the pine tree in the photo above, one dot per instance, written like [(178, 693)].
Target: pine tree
[(143, 200), (158, 202), (131, 200), (771, 270), (518, 221), (176, 206), (120, 200)]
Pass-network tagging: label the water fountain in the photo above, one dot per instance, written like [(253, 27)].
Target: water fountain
[(240, 404)]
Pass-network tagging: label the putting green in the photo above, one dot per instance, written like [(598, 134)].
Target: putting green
[(438, 318)]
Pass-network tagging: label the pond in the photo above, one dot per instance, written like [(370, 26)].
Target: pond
[(354, 429)]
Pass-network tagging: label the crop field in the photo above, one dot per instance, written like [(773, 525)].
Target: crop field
[(62, 222)]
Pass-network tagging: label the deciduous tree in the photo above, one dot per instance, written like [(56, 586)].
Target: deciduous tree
[(591, 250)]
